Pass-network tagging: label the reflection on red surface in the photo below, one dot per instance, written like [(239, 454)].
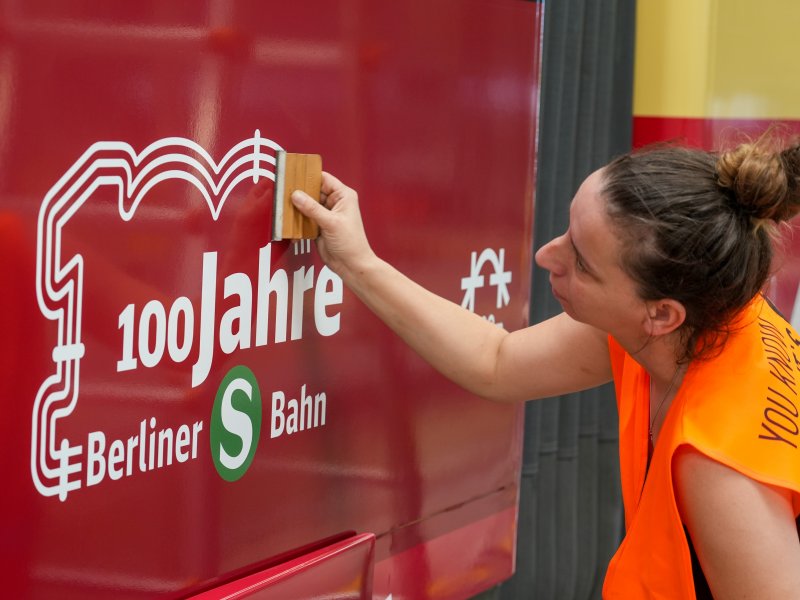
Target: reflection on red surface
[(430, 115), (342, 571), (484, 545)]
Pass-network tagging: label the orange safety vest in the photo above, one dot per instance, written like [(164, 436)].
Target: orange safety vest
[(739, 408)]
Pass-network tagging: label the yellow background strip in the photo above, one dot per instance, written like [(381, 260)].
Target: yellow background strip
[(717, 59)]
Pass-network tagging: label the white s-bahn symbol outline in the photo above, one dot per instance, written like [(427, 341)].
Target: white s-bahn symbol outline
[(500, 278), (59, 285)]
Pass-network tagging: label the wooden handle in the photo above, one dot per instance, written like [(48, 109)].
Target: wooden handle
[(295, 172)]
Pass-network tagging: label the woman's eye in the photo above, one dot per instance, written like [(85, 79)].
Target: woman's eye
[(579, 263)]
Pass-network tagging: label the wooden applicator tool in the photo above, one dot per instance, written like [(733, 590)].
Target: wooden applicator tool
[(295, 172)]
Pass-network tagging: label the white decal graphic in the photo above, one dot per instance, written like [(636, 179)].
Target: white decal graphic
[(151, 333), (500, 278), (56, 465), (306, 412)]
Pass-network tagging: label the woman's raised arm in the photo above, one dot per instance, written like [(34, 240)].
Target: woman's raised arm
[(557, 356)]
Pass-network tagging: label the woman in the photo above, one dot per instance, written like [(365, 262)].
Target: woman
[(660, 275)]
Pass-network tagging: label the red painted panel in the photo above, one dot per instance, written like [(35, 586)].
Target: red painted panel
[(703, 133), (342, 570), (136, 173), (458, 563)]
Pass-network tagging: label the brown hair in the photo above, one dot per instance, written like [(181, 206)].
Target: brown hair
[(697, 227)]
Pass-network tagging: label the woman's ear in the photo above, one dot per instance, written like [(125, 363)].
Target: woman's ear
[(665, 316)]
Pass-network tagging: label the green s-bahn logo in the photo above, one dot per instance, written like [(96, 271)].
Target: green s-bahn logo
[(235, 423)]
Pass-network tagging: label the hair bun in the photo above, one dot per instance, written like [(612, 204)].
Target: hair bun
[(764, 183)]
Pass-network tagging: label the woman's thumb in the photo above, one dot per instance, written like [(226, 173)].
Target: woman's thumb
[(308, 206)]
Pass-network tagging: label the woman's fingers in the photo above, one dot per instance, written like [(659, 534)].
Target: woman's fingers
[(334, 191), (342, 241), (310, 208), (330, 183)]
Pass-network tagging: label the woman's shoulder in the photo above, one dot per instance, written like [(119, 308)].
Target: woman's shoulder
[(762, 353), (741, 407)]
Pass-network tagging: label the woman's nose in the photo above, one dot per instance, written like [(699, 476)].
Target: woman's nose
[(550, 257)]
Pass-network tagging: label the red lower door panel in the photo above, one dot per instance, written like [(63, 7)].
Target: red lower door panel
[(342, 570)]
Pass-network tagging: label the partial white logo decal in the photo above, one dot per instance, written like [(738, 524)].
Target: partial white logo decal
[(499, 278), (57, 467)]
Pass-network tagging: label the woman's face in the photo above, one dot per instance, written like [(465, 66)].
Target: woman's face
[(586, 275)]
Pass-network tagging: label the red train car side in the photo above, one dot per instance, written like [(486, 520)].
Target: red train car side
[(192, 408)]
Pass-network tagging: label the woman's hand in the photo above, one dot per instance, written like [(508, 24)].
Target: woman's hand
[(342, 242)]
